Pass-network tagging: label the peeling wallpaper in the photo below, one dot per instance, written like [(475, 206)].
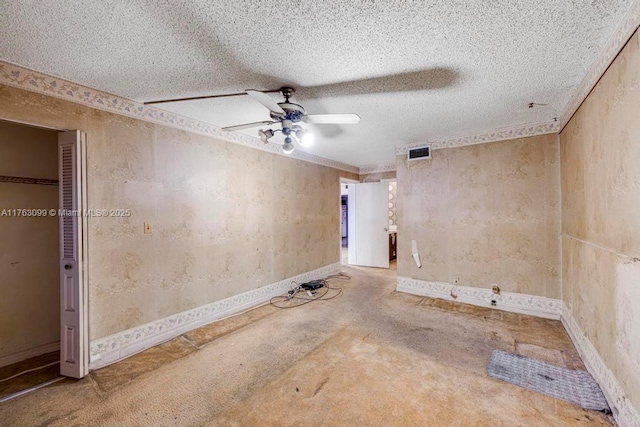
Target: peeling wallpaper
[(226, 218), (600, 157), (484, 214)]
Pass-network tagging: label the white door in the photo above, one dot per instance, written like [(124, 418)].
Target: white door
[(73, 298), (369, 224)]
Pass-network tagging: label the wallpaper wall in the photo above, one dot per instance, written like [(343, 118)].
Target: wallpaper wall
[(600, 152), (484, 214), (377, 176), (226, 218), (29, 255), (393, 203)]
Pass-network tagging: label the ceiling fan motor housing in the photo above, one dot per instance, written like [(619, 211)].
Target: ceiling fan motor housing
[(292, 112)]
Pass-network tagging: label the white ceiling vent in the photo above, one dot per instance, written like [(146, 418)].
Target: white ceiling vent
[(419, 153)]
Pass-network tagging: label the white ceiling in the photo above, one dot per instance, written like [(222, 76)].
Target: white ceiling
[(413, 70)]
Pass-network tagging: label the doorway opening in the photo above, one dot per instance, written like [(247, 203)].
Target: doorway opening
[(393, 221), (30, 286), (344, 219), (34, 301)]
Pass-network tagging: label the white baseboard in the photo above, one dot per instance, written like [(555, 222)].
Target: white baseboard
[(27, 354), (112, 348), (623, 410), (518, 303)]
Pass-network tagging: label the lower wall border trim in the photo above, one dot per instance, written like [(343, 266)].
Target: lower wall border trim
[(112, 348), (623, 411), (508, 301)]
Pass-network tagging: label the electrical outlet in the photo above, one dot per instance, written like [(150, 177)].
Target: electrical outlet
[(148, 228), (495, 289)]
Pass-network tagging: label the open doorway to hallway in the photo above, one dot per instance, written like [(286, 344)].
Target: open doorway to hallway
[(368, 225), (393, 222), (344, 219)]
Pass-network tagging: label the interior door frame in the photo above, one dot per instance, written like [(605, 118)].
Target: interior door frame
[(360, 224), (83, 256), (343, 181)]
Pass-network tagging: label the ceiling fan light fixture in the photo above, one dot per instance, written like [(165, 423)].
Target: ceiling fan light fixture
[(307, 139), (265, 135), (288, 147), (304, 137)]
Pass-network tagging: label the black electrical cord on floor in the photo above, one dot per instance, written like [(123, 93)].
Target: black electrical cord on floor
[(294, 299)]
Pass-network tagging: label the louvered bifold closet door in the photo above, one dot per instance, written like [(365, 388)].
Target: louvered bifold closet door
[(72, 363)]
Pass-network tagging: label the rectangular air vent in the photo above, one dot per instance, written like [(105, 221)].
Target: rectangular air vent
[(419, 153)]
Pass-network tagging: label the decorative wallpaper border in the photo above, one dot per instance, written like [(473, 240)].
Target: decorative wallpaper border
[(623, 410), (518, 303), (112, 348), (502, 134), (391, 167), (34, 81), (629, 24)]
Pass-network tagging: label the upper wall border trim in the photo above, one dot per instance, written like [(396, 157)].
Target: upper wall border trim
[(513, 132), (629, 24), (377, 168), (34, 81)]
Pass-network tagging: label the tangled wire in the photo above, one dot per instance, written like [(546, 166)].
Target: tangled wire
[(307, 292)]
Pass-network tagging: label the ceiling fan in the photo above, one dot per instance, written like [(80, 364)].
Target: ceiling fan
[(286, 113)]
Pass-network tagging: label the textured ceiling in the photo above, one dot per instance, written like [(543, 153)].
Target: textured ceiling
[(413, 70)]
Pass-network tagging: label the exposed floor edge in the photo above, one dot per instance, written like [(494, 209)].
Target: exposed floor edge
[(28, 354), (110, 349), (29, 390), (547, 308), (623, 410)]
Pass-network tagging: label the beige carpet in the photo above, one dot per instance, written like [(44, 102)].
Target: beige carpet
[(371, 357)]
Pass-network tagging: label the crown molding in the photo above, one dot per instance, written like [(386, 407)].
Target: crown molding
[(35, 81), (629, 24), (391, 167), (502, 134)]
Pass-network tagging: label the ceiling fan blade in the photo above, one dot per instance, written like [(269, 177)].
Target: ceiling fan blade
[(248, 125), (194, 98), (265, 100), (331, 119)]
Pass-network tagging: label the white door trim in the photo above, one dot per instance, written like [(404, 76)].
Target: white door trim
[(74, 348), (83, 296)]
